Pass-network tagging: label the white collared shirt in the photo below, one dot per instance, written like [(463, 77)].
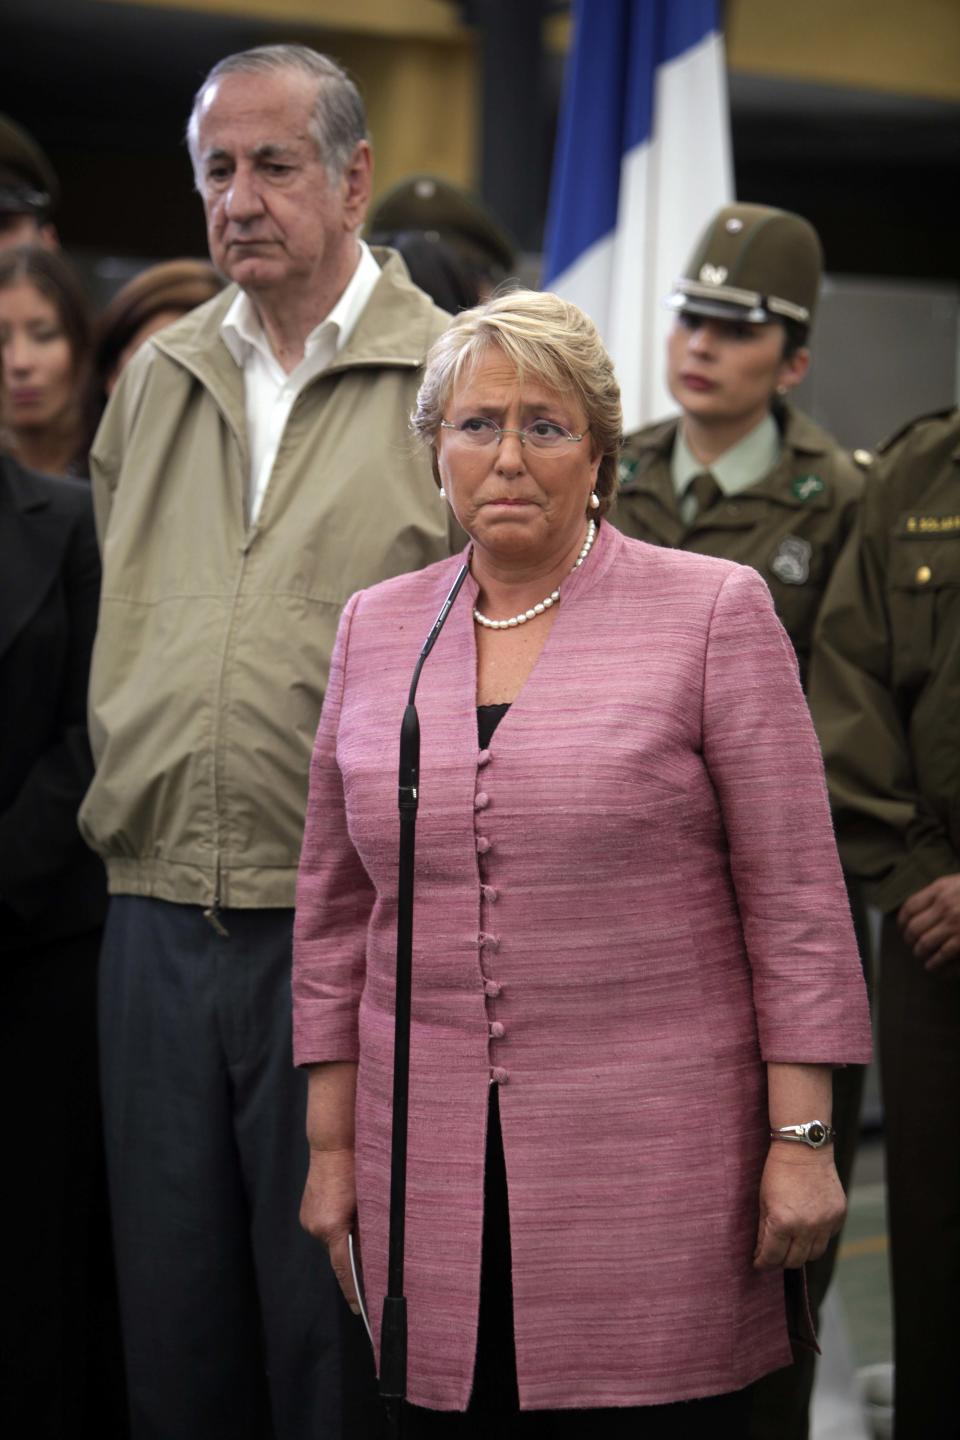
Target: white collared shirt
[(749, 460), (269, 392)]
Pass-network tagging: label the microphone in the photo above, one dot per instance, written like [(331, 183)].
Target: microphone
[(393, 1329)]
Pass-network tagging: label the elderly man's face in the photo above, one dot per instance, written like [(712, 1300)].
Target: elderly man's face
[(275, 220)]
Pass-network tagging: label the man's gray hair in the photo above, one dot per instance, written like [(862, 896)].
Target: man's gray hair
[(339, 120)]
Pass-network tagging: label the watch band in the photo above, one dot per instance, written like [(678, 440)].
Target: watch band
[(814, 1133)]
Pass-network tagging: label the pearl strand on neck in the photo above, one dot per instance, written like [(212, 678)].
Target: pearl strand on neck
[(551, 599)]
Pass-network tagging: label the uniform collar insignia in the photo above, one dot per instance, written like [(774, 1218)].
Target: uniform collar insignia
[(805, 487), (626, 470)]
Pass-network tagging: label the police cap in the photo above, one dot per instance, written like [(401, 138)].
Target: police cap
[(431, 204), (753, 263), (28, 182)]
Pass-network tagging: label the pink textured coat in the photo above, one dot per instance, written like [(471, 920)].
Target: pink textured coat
[(623, 907)]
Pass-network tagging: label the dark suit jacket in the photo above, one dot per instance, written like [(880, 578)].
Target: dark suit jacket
[(50, 884)]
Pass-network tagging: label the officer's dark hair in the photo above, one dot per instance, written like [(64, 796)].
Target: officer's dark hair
[(796, 336)]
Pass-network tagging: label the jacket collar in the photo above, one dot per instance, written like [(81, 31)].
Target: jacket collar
[(396, 328), (32, 540), (800, 433), (17, 492), (645, 469)]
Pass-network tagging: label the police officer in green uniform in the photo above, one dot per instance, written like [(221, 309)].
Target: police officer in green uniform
[(744, 475), (885, 691), (741, 473)]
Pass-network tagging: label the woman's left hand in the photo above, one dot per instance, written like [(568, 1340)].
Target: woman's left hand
[(802, 1205)]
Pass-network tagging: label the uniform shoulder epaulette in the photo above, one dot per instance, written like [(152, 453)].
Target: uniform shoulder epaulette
[(651, 435), (905, 429)]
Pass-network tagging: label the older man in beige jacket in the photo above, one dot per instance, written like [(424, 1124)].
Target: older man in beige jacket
[(251, 472)]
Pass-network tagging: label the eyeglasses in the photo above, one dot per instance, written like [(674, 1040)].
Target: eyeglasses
[(541, 435)]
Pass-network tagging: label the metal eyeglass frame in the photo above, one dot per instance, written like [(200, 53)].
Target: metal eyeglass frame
[(522, 435)]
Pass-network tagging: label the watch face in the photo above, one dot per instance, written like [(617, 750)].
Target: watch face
[(816, 1134)]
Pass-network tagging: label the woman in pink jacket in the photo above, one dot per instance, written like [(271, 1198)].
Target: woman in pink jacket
[(633, 959)]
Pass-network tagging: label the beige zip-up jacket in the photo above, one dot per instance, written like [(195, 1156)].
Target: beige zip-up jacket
[(215, 635)]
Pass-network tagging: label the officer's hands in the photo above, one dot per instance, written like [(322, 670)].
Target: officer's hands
[(802, 1205), (328, 1210), (930, 924)]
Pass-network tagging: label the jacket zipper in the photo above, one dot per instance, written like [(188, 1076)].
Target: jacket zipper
[(212, 913)]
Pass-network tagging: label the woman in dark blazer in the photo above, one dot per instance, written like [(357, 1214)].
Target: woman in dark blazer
[(58, 1364)]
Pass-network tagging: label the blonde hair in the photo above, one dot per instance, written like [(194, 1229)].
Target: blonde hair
[(542, 336)]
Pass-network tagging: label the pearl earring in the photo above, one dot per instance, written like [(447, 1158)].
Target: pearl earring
[(443, 493), (781, 389), (594, 500)]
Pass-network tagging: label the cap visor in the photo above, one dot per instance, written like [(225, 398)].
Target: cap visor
[(717, 309)]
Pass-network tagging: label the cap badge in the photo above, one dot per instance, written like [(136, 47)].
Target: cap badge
[(713, 274), (791, 563), (805, 487)]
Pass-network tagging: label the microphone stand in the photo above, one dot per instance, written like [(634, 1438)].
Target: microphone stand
[(393, 1328)]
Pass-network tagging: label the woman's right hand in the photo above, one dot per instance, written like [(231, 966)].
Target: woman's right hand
[(328, 1212)]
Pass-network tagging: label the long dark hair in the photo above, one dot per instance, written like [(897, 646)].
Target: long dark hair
[(51, 273)]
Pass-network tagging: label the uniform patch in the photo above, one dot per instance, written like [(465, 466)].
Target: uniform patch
[(791, 563), (931, 525), (805, 487)]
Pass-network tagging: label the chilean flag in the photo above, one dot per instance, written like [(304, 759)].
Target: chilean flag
[(643, 160)]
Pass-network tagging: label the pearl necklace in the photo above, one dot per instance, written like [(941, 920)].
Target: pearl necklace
[(552, 598)]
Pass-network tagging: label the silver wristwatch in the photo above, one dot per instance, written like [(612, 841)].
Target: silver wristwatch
[(813, 1133)]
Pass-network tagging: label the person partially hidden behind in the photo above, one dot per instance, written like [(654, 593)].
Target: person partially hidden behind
[(633, 961), (744, 475), (884, 689), (61, 1372)]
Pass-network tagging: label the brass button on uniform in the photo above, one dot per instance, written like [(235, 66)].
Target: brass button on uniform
[(924, 574)]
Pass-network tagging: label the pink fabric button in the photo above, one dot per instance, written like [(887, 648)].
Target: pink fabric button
[(481, 800), (492, 988), (488, 893), (483, 844), (498, 1076), (488, 942), (496, 1031), (483, 758)]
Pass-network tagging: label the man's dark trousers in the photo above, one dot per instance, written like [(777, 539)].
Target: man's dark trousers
[(233, 1323)]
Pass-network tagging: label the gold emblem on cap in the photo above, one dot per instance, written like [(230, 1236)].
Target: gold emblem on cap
[(713, 274), (924, 574)]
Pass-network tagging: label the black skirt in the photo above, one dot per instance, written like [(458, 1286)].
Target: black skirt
[(494, 1411)]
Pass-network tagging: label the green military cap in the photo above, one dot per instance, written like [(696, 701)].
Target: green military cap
[(28, 182), (753, 263), (431, 204)]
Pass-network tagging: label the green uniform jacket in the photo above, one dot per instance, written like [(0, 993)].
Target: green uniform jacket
[(885, 683), (790, 526), (215, 635)]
